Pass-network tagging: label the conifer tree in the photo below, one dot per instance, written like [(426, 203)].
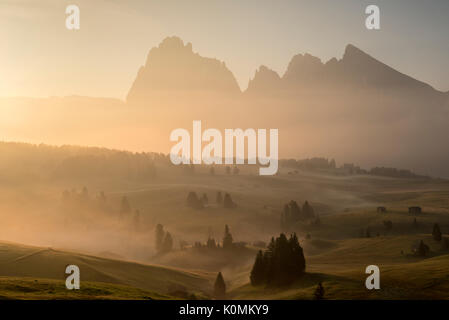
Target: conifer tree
[(160, 233), (257, 276), (319, 292), (193, 201), (227, 239), (436, 233), (423, 249), (219, 287), (167, 245), (219, 198), (227, 201), (204, 199), (307, 210)]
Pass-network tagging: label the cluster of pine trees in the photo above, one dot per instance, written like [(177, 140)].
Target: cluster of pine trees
[(228, 242), (292, 213), (164, 240), (282, 263), (195, 202)]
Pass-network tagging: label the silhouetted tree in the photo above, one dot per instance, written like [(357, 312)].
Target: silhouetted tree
[(319, 292), (227, 239), (227, 202), (211, 244), (283, 262), (160, 233), (423, 249), (204, 199), (295, 212), (193, 201), (167, 245), (219, 198), (307, 211), (436, 233), (257, 276), (219, 287), (125, 207)]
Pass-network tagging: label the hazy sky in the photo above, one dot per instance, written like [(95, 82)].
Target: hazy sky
[(40, 57)]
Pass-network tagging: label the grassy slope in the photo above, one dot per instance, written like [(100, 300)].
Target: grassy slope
[(19, 261), (45, 289), (342, 271)]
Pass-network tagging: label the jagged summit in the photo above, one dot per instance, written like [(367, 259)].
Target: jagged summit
[(264, 79), (352, 51), (173, 66), (356, 69)]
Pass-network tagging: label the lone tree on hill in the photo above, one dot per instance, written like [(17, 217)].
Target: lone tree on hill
[(219, 198), (193, 201), (227, 202), (219, 287), (159, 233), (204, 199), (423, 249), (436, 233), (227, 239), (167, 245), (307, 210), (319, 292)]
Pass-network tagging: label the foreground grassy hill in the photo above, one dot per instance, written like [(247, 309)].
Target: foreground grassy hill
[(342, 272), (28, 270), (49, 289)]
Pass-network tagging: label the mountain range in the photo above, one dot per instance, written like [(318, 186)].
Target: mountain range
[(354, 109)]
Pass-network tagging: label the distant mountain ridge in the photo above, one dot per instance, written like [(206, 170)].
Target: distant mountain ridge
[(174, 66), (356, 68)]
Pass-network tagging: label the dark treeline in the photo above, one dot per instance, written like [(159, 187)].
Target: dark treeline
[(282, 263), (195, 202), (330, 165), (292, 213), (43, 161), (227, 242), (163, 240)]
